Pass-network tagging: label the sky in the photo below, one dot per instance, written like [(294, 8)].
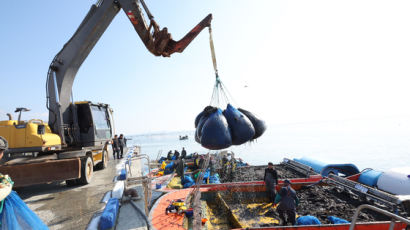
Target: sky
[(286, 61)]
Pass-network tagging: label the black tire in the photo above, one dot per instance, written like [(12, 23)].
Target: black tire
[(87, 170), (103, 164), (70, 183)]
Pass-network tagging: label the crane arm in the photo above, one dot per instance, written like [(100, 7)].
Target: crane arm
[(65, 65)]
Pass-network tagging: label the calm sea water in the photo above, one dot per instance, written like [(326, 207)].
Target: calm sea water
[(375, 143)]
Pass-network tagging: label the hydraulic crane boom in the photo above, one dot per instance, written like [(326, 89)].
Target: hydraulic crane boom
[(63, 119)]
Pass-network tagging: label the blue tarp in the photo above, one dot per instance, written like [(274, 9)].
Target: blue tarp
[(324, 169), (240, 126), (109, 215), (169, 168), (187, 181), (307, 220), (337, 220)]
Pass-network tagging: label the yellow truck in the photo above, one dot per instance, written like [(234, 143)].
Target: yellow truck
[(77, 135)]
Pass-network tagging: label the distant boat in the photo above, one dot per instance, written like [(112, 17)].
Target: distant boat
[(183, 137)]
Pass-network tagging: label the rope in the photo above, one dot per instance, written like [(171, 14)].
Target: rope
[(211, 44), (220, 93)]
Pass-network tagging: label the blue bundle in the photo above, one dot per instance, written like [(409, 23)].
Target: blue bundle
[(17, 215), (219, 130), (337, 220), (240, 126), (307, 220), (215, 132)]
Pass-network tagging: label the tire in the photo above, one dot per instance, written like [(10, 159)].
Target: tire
[(103, 164), (70, 183), (87, 170)]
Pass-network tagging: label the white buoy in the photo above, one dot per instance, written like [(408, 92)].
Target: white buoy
[(395, 181)]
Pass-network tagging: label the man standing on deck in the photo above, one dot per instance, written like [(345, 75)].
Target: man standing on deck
[(183, 153), (176, 154), (121, 143), (115, 147), (288, 201), (180, 168), (271, 180)]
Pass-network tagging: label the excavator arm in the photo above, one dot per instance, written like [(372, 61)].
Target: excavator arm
[(65, 65)]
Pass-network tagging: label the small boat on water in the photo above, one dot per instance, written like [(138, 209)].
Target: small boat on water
[(181, 138)]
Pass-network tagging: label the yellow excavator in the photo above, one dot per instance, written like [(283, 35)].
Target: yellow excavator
[(77, 136)]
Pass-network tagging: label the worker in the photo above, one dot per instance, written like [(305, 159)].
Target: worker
[(183, 152), (271, 180), (121, 144), (211, 166), (169, 155), (176, 155), (196, 161), (115, 146), (15, 214), (180, 168), (288, 201), (201, 161)]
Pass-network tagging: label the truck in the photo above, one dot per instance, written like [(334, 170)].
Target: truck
[(76, 139)]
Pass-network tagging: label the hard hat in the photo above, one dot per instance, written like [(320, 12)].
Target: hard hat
[(3, 143)]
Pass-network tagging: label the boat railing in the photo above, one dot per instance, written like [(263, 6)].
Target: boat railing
[(145, 180), (379, 210)]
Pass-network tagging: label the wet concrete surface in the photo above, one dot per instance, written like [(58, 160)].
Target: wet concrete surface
[(62, 207)]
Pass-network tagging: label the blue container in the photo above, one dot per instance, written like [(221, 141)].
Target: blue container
[(109, 215), (158, 186), (370, 177), (189, 213)]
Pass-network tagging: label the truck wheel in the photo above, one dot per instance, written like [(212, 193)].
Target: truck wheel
[(86, 170), (103, 164), (70, 183)]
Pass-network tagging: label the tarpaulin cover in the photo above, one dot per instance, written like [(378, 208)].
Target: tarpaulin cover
[(109, 215), (241, 127), (337, 220), (307, 220), (188, 181), (17, 216), (169, 168), (215, 133), (258, 124)]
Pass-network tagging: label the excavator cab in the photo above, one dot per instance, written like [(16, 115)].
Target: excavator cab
[(94, 123)]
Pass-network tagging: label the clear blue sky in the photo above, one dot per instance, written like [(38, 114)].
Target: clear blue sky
[(301, 60)]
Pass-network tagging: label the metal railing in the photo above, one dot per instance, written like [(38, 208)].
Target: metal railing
[(379, 210), (145, 180)]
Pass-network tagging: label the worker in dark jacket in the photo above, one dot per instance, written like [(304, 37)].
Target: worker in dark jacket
[(180, 168), (183, 153), (169, 155), (288, 201), (121, 144), (176, 155), (271, 180), (115, 146)]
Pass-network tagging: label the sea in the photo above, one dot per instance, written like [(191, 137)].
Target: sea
[(380, 144)]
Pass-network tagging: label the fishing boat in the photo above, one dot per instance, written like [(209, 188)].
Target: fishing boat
[(328, 192)]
